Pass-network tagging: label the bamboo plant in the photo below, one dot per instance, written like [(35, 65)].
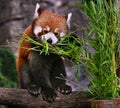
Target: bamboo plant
[(70, 47), (103, 38)]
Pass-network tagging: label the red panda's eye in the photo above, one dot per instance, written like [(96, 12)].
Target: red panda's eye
[(56, 33), (39, 34), (45, 31)]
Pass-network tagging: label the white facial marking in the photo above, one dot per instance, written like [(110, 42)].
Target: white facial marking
[(37, 29), (62, 34), (48, 28), (51, 36), (36, 10), (69, 19), (56, 30)]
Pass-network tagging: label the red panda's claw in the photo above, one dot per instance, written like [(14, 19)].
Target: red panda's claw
[(64, 89), (33, 90), (49, 95)]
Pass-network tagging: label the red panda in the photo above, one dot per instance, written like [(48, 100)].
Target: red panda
[(39, 73)]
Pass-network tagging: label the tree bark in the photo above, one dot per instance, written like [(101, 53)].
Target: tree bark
[(20, 98)]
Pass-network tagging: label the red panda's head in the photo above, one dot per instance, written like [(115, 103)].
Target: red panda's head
[(50, 26)]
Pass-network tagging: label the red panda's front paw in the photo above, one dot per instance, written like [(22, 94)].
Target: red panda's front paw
[(64, 89), (49, 94), (34, 90)]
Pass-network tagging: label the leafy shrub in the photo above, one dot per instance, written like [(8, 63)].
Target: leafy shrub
[(8, 74), (103, 37)]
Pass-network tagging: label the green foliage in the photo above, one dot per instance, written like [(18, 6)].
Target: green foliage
[(2, 106), (103, 30), (8, 74), (69, 47)]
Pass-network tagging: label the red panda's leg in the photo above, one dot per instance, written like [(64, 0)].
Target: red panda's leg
[(24, 73), (58, 77), (27, 82), (39, 68), (20, 63), (26, 79)]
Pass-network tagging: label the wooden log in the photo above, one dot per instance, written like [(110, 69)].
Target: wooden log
[(20, 98)]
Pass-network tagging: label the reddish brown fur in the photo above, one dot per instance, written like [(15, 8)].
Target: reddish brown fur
[(55, 21), (23, 49)]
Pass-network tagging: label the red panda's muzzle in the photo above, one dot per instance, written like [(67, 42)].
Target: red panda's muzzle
[(50, 38)]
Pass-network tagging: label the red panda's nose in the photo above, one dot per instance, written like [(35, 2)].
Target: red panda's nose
[(49, 40)]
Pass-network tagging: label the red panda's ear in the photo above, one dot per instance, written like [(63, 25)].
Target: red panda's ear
[(69, 19), (37, 10)]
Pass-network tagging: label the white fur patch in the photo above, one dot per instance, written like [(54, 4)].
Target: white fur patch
[(51, 36), (56, 30), (48, 28), (69, 19), (37, 30), (62, 34), (36, 10)]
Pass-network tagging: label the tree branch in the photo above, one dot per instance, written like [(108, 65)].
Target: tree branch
[(22, 99)]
